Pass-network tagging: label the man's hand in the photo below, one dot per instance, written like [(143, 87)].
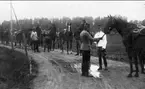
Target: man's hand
[(100, 38)]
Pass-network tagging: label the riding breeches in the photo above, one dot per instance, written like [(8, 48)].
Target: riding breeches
[(102, 54), (78, 46), (35, 45), (85, 62)]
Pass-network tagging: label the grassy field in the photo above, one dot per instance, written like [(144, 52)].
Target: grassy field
[(14, 69)]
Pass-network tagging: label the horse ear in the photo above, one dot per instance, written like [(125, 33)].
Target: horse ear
[(108, 16), (113, 20)]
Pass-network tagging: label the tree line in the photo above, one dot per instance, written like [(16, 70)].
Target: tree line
[(45, 23)]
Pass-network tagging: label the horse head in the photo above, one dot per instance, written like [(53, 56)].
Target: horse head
[(109, 25)]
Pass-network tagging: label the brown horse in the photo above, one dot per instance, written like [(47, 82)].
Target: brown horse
[(134, 42), (66, 36)]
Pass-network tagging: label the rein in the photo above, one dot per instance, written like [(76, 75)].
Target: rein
[(103, 35)]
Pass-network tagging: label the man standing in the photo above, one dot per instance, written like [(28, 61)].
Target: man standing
[(86, 38), (34, 38), (77, 39), (77, 36), (101, 48)]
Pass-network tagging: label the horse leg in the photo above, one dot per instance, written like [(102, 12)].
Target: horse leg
[(58, 45), (141, 59), (44, 47), (53, 45), (67, 44), (62, 46), (49, 45), (131, 66), (136, 66), (71, 46), (48, 48)]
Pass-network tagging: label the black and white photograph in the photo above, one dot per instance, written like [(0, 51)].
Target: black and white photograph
[(72, 44)]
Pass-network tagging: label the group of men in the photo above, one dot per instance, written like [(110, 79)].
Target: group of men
[(100, 40), (86, 39)]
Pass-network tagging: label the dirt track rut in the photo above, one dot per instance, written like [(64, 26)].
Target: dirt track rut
[(53, 74)]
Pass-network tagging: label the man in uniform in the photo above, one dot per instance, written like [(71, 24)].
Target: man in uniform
[(86, 39)]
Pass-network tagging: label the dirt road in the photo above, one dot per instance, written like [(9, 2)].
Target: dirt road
[(57, 72)]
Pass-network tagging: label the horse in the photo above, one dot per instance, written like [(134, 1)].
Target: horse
[(18, 37), (57, 40), (52, 35), (66, 36), (77, 36), (47, 41), (39, 31), (5, 37), (133, 42)]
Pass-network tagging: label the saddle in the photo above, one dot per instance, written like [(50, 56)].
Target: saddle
[(139, 30)]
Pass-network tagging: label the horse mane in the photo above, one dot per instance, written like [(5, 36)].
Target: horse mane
[(128, 26)]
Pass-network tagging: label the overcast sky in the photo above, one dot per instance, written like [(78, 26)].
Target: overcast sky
[(133, 10)]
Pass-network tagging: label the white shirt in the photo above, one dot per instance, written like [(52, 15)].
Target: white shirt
[(34, 35), (102, 43)]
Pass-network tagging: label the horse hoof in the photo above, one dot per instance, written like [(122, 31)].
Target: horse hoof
[(143, 72), (136, 75), (129, 75)]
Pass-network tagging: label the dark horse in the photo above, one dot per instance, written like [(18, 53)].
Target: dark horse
[(18, 37), (66, 35), (52, 35), (5, 37), (77, 36), (48, 37), (39, 31), (134, 42), (47, 41)]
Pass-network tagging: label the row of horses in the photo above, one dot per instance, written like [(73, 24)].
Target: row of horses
[(47, 38)]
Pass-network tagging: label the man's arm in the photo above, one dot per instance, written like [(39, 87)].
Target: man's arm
[(31, 34), (91, 38), (104, 42)]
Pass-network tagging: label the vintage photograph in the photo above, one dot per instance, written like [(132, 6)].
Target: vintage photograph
[(72, 44)]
